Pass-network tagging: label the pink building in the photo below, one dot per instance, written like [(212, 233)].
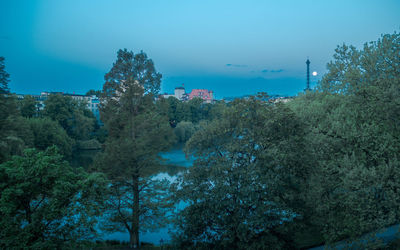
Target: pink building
[(205, 94)]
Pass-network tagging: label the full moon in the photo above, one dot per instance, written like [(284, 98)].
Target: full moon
[(314, 73)]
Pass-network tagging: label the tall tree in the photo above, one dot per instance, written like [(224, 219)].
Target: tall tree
[(136, 136)]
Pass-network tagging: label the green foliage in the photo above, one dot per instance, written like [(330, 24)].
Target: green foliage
[(192, 111), (27, 106), (355, 170), (354, 135), (168, 107), (60, 108), (136, 135), (83, 122), (215, 110), (4, 78), (45, 204), (15, 134), (184, 130), (374, 67), (154, 205), (126, 155), (92, 144), (73, 116), (100, 134), (47, 133), (326, 162), (251, 163), (94, 92)]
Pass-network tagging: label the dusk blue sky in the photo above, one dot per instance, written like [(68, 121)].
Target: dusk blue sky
[(231, 47)]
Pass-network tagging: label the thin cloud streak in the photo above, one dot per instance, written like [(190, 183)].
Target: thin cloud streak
[(272, 70), (236, 65)]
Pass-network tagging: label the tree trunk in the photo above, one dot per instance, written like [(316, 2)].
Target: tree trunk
[(134, 234), (133, 240)]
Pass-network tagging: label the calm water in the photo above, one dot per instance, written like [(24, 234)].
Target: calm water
[(176, 157)]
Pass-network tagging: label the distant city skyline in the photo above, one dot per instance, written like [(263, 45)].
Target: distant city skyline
[(231, 47)]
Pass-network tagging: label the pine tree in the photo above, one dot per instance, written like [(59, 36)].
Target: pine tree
[(137, 133)]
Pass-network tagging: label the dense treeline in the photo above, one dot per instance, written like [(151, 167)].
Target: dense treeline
[(321, 168), (318, 169), (63, 122), (136, 128), (44, 202), (193, 111)]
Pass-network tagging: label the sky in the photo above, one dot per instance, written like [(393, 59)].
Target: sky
[(232, 47)]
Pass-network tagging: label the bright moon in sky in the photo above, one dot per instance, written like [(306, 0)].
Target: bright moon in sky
[(314, 73)]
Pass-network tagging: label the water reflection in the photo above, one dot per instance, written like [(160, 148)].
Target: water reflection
[(174, 161), (176, 157)]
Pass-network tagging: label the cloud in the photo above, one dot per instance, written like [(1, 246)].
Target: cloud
[(236, 65), (272, 70)]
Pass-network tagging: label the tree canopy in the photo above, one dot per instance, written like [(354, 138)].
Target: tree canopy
[(14, 132), (44, 203), (321, 168), (136, 135), (4, 78), (73, 116), (353, 122), (47, 133), (250, 164), (28, 106)]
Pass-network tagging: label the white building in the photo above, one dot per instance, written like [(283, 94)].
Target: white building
[(179, 93)]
